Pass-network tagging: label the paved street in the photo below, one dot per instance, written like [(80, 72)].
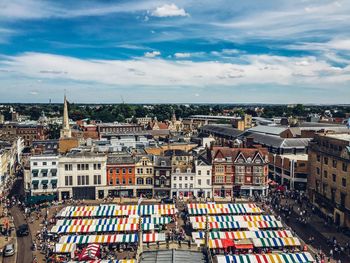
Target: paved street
[(23, 243)]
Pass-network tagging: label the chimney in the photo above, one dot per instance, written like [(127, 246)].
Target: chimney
[(249, 142)]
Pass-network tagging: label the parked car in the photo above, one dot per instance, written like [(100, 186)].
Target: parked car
[(23, 230), (9, 250)]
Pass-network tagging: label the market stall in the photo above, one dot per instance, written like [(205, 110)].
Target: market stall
[(267, 258), (99, 239), (153, 237), (276, 242)]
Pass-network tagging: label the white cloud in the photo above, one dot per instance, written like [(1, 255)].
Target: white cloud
[(257, 69), (169, 11), (152, 54), (182, 55)]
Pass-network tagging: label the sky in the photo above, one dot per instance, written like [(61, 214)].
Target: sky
[(189, 51)]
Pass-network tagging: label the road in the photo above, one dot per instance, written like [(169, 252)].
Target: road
[(24, 252)]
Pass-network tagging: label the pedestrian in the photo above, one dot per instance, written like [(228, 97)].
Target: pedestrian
[(331, 253)]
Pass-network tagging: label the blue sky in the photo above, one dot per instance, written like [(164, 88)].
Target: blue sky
[(222, 51)]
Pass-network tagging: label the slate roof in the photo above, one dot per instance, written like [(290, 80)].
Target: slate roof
[(221, 129), (274, 130), (278, 142)]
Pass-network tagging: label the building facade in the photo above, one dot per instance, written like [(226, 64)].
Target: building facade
[(239, 171), (328, 184), (144, 175), (82, 175), (202, 179), (121, 176), (43, 175), (162, 176)]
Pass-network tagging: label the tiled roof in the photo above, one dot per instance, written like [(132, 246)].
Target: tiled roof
[(223, 152)]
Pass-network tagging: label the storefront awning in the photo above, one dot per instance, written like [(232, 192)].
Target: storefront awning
[(44, 181), (35, 182), (43, 170), (53, 181)]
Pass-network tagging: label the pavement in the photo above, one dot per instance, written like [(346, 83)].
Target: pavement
[(315, 228), (8, 240)]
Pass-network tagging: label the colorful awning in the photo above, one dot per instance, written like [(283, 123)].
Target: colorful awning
[(202, 209), (276, 242), (220, 225), (238, 235), (101, 221), (117, 210), (230, 218), (153, 237), (64, 248), (94, 228), (106, 261), (99, 239), (267, 258)]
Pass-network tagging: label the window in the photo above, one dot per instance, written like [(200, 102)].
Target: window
[(111, 181), (53, 163), (130, 181), (180, 178), (117, 181), (180, 185), (199, 182), (117, 170), (325, 159), (130, 170), (79, 180), (139, 181), (149, 181), (174, 178), (342, 199), (123, 181), (343, 182), (35, 186), (186, 185), (174, 185), (191, 185), (186, 178), (208, 181), (325, 174), (44, 173), (188, 170), (124, 171), (97, 166), (318, 158), (35, 163), (240, 169), (68, 167), (228, 179), (111, 171), (44, 164), (78, 167), (97, 179), (318, 170), (345, 167), (219, 179), (219, 169), (44, 186), (191, 178), (229, 169), (68, 180), (334, 176), (334, 163), (199, 172), (208, 172)]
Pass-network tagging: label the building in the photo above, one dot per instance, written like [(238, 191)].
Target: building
[(120, 175), (194, 122), (144, 175), (290, 170), (328, 184), (182, 173), (82, 175), (239, 171), (117, 128), (203, 177), (243, 124), (66, 141), (162, 176), (43, 175)]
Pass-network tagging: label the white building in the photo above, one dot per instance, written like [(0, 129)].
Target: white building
[(82, 175), (43, 175), (183, 183), (203, 177)]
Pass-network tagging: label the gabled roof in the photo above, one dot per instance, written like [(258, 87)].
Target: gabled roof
[(278, 142), (234, 153)]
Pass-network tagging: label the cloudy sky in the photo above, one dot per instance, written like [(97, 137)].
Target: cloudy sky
[(222, 51)]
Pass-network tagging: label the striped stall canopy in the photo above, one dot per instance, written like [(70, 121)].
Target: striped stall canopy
[(269, 234), (153, 237), (94, 228), (202, 209), (237, 235), (64, 248), (267, 258), (116, 210), (220, 225), (230, 218), (276, 242), (101, 221), (99, 239), (264, 224), (147, 227), (156, 220), (234, 235)]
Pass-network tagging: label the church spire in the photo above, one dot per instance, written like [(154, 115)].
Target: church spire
[(65, 131)]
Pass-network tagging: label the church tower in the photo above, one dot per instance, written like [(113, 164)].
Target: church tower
[(66, 132)]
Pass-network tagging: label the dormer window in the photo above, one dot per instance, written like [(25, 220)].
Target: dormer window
[(188, 170)]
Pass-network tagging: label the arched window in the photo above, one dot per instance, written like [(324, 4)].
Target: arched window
[(139, 180), (149, 181)]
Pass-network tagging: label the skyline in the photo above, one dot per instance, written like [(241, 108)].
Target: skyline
[(175, 51)]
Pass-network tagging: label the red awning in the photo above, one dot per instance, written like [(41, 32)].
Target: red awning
[(228, 243), (243, 246), (91, 252)]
